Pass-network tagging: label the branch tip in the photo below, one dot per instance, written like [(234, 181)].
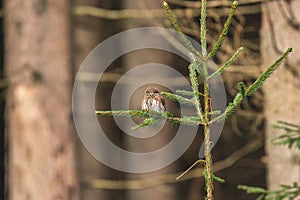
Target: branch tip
[(235, 4), (165, 4)]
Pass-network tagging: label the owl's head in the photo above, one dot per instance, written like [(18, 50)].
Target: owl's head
[(152, 91)]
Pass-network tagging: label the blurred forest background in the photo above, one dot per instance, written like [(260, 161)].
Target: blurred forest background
[(43, 43)]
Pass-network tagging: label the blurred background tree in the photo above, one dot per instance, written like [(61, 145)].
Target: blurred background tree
[(280, 28), (40, 135)]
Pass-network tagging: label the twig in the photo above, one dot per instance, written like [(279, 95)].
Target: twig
[(171, 178), (191, 167), (216, 3), (149, 13), (129, 13)]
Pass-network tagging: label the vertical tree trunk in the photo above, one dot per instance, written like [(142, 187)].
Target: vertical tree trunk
[(282, 90), (40, 135)]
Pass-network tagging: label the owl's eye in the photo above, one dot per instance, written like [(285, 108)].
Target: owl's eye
[(156, 94)]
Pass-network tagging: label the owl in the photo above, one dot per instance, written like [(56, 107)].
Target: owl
[(153, 100)]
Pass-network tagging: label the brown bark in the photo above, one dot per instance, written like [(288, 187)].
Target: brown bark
[(282, 90), (40, 135)]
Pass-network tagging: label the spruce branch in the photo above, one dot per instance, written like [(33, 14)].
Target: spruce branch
[(243, 92), (152, 117), (285, 192), (128, 113), (178, 98), (187, 43), (242, 88), (198, 66), (146, 122), (195, 84), (266, 74), (188, 93), (215, 112), (208, 167), (198, 69), (203, 28), (224, 31), (291, 136), (227, 64), (230, 108)]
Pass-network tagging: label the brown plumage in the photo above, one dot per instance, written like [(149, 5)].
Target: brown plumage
[(153, 100)]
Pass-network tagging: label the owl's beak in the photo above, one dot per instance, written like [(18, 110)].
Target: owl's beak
[(151, 94)]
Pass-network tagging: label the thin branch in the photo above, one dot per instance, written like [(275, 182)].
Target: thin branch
[(149, 13), (187, 43), (190, 168), (227, 64), (120, 14), (185, 120), (171, 178), (266, 74), (215, 3), (224, 31)]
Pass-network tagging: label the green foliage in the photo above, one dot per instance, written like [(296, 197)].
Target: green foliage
[(197, 67), (244, 92), (224, 31), (188, 93), (221, 180), (285, 192), (266, 74), (232, 106), (242, 88), (227, 64), (147, 122), (195, 62), (176, 26), (130, 113), (154, 116), (198, 71), (178, 98), (203, 28), (291, 136)]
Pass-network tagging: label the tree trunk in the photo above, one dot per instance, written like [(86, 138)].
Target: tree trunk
[(282, 90), (41, 162)]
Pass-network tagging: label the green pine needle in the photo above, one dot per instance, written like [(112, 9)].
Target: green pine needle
[(178, 98), (187, 43), (198, 67), (129, 113), (291, 136), (227, 64), (203, 28), (230, 108), (221, 180), (195, 84), (251, 190), (266, 74), (224, 31), (242, 88), (215, 112), (188, 93), (147, 122), (193, 78), (285, 192)]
